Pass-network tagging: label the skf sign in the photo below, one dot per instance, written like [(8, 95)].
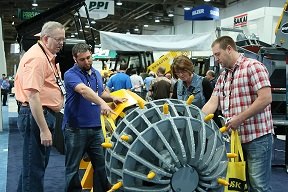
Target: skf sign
[(240, 20)]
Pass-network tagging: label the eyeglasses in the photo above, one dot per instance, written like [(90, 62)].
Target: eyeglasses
[(58, 40), (180, 72)]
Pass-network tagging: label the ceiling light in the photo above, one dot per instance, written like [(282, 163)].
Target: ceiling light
[(72, 35), (186, 8), (119, 3), (136, 29), (146, 25), (170, 14), (157, 20), (34, 4), (206, 0)]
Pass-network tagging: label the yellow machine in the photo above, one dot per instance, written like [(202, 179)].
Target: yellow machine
[(108, 126), (155, 118)]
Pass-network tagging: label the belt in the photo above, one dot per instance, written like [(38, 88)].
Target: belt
[(26, 104)]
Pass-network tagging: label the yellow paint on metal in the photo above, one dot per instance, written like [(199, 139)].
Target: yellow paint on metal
[(83, 164), (125, 137), (208, 117), (165, 108), (122, 115), (141, 104), (87, 181), (117, 186), (223, 182), (190, 100), (222, 129), (132, 99), (107, 145), (280, 19), (151, 175)]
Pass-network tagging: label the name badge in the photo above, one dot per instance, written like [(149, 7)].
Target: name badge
[(226, 103)]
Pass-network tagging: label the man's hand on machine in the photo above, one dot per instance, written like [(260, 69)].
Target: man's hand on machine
[(118, 100), (106, 110)]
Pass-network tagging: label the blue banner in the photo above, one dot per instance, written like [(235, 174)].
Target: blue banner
[(203, 12)]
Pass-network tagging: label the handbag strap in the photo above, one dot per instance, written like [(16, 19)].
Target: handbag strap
[(236, 147)]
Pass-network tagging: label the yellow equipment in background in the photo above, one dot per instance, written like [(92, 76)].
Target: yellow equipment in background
[(108, 71), (166, 61)]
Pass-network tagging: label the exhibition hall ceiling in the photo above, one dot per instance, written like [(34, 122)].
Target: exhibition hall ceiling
[(131, 16)]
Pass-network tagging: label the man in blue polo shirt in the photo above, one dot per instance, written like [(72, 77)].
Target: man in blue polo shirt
[(120, 80), (85, 100)]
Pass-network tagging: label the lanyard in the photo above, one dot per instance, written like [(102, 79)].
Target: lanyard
[(49, 62), (88, 82), (232, 79), (58, 80)]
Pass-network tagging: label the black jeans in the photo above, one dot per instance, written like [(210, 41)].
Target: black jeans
[(4, 92)]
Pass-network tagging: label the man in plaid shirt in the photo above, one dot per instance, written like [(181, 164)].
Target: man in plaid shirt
[(244, 94)]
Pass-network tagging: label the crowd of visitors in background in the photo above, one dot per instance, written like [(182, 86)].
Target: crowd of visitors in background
[(173, 83)]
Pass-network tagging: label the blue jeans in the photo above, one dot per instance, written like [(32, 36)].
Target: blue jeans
[(35, 155), (258, 155), (77, 142)]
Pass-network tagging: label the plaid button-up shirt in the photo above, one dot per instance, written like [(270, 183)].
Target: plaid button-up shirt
[(240, 84)]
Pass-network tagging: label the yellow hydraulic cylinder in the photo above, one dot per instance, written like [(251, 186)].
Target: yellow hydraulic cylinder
[(208, 117), (151, 175), (223, 182), (190, 100), (165, 108), (107, 145)]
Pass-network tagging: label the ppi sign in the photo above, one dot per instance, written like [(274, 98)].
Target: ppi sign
[(203, 12), (98, 9)]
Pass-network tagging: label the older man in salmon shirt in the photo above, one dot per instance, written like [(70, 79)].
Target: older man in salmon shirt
[(39, 92)]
